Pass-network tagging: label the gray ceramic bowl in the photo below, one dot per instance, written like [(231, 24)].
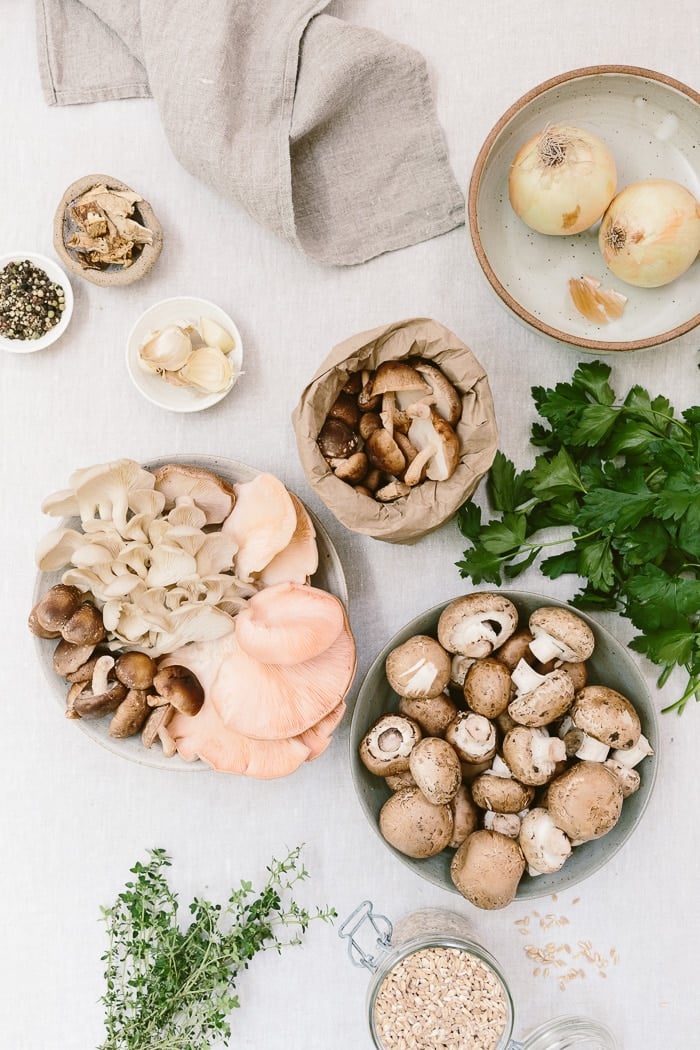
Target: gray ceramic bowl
[(612, 664)]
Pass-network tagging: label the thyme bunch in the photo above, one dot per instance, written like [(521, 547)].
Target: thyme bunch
[(171, 986)]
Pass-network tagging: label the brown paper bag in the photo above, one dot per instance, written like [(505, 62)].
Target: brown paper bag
[(431, 503)]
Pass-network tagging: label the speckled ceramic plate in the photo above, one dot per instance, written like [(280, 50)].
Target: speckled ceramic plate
[(329, 577), (612, 664), (652, 125)]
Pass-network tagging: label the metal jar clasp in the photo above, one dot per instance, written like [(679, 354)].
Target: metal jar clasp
[(362, 916)]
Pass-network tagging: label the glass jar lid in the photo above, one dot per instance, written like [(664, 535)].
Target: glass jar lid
[(568, 1033)]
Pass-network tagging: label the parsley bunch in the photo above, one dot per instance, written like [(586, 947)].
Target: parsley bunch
[(622, 478), (172, 988)]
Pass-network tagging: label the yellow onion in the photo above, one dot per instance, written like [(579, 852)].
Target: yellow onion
[(562, 180), (650, 234)]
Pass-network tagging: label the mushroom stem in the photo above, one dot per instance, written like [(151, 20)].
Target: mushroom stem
[(592, 750), (545, 648), (525, 678), (634, 755), (100, 675)]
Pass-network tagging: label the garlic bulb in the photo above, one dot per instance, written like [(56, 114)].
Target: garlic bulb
[(207, 369), (166, 350)]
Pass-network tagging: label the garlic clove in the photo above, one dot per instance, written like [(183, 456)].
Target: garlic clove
[(208, 370), (215, 335), (167, 349), (595, 303)]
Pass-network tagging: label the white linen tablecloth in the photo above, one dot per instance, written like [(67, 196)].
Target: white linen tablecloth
[(73, 817)]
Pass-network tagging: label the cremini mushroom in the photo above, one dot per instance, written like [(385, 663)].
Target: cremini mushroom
[(487, 868), (391, 377), (476, 624), (585, 801), (413, 825), (386, 746), (545, 699), (545, 846), (465, 816), (501, 794), (472, 736), (487, 687), (436, 769), (629, 777), (504, 823), (418, 667), (433, 714), (532, 754), (516, 648), (384, 453), (352, 469), (396, 781), (559, 634), (607, 716)]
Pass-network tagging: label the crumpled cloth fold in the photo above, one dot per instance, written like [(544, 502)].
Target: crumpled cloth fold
[(325, 132)]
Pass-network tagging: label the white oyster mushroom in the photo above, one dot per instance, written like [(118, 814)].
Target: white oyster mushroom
[(106, 493), (146, 501), (169, 564), (55, 549), (216, 553), (186, 512)]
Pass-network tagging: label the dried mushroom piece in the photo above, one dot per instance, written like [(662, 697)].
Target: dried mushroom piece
[(106, 228)]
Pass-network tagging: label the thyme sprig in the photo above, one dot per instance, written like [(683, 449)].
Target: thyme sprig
[(171, 986)]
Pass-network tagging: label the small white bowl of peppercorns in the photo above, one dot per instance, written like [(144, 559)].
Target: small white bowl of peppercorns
[(36, 302)]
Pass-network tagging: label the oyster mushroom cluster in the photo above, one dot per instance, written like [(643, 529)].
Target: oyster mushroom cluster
[(392, 428), (501, 749), (185, 612)]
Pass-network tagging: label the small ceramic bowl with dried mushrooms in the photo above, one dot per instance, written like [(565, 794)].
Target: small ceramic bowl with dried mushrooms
[(106, 232)]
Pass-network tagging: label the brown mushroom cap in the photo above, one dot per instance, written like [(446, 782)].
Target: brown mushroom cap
[(387, 744), (135, 670), (54, 609), (487, 868), (345, 408), (384, 453), (436, 769), (487, 687), (447, 399), (501, 794), (516, 648), (546, 702), (337, 440), (606, 715), (397, 375), (568, 631), (68, 657), (433, 714), (180, 687), (415, 826), (532, 755), (585, 801), (465, 816), (85, 626), (476, 624), (418, 667), (131, 715)]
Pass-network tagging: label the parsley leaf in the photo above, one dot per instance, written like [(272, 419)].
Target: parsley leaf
[(621, 476)]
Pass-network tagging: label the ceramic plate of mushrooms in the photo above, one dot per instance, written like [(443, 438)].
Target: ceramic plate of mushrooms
[(504, 746), (148, 561)]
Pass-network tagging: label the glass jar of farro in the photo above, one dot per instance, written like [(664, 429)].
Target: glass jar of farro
[(434, 985)]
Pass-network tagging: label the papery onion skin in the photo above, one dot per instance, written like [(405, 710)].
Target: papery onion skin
[(650, 234), (562, 180)]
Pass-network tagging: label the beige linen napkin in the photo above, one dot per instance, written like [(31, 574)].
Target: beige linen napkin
[(325, 132)]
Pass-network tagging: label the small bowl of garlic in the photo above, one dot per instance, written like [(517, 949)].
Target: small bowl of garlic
[(184, 354)]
